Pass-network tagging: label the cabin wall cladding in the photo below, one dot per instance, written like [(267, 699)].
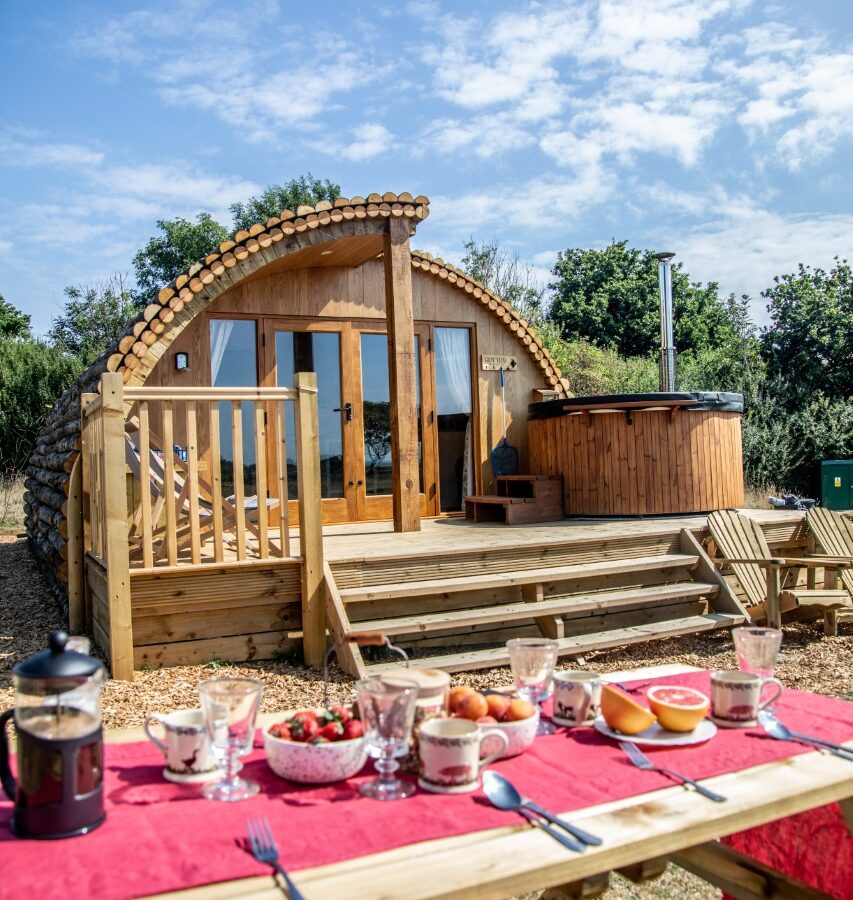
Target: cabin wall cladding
[(284, 251)]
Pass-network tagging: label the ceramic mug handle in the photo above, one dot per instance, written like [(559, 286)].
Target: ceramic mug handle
[(498, 753), (762, 704), (151, 719)]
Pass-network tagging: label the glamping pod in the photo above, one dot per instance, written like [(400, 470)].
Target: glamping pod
[(406, 411)]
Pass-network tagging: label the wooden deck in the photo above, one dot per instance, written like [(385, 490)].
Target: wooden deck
[(595, 583)]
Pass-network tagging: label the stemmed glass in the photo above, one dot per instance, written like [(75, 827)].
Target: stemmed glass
[(229, 707), (532, 661), (757, 649), (387, 708)]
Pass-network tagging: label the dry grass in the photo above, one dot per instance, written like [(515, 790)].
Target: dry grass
[(11, 503), (755, 495), (28, 613)]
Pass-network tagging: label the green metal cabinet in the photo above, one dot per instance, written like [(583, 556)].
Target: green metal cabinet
[(836, 483)]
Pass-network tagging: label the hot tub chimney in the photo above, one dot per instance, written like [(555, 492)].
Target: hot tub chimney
[(667, 343)]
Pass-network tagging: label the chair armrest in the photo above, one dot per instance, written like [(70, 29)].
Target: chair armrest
[(793, 562)]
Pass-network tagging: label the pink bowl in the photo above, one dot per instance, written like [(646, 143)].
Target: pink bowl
[(315, 763)]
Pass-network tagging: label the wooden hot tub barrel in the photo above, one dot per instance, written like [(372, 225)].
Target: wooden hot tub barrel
[(641, 454)]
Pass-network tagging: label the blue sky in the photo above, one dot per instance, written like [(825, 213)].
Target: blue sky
[(720, 129)]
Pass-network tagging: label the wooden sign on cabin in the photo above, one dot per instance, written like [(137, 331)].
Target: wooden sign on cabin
[(490, 362)]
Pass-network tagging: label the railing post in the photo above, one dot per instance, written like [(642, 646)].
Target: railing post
[(120, 628), (85, 501), (310, 520)]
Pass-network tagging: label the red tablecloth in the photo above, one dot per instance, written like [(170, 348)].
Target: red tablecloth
[(159, 836)]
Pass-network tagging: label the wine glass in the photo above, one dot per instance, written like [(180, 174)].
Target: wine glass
[(532, 661), (387, 707), (757, 649), (230, 706)]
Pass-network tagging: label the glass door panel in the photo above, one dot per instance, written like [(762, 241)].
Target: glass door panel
[(320, 352), (233, 363), (454, 416)]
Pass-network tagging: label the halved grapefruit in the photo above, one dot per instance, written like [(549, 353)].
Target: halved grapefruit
[(622, 714), (677, 708)]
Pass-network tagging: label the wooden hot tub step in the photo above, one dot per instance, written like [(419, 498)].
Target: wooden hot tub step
[(494, 580), (557, 606), (578, 645)]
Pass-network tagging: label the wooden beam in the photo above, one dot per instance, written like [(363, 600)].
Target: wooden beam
[(740, 876), (310, 520), (76, 553), (399, 311), (115, 526)]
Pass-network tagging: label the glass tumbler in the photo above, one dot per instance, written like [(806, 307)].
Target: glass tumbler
[(757, 649), (387, 707), (532, 661), (230, 707)]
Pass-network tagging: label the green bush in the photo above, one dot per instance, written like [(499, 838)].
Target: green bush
[(32, 376)]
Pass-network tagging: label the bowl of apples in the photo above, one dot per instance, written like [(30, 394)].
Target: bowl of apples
[(316, 746), (516, 718)]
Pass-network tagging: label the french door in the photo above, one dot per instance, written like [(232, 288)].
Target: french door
[(350, 360)]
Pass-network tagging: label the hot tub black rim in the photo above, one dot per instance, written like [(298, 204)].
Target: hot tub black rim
[(718, 401)]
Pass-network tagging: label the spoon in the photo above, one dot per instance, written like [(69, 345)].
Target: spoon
[(504, 795), (781, 732)]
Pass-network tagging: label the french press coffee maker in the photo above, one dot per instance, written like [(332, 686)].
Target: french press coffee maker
[(59, 791)]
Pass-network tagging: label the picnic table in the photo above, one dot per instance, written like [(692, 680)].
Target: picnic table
[(640, 832)]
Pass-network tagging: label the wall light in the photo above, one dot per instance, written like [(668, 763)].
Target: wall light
[(182, 362)]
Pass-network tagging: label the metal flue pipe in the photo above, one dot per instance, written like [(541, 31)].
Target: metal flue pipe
[(667, 342)]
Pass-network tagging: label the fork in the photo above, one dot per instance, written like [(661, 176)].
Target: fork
[(265, 850), (641, 761), (632, 688)]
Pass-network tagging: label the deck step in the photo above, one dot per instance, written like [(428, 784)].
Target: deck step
[(557, 606), (578, 645), (547, 575)]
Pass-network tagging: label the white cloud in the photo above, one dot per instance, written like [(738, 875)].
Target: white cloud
[(486, 136), (32, 150), (370, 140), (5, 247)]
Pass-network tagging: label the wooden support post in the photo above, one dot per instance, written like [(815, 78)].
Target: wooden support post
[(585, 889), (739, 875), (115, 526), (399, 311), (310, 520), (76, 553), (830, 616), (774, 599), (549, 626), (86, 444)]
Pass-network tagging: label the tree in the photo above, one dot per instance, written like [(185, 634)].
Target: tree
[(611, 297), (180, 244), (811, 331), (13, 323), (93, 319), (32, 376), (506, 275), (303, 191)]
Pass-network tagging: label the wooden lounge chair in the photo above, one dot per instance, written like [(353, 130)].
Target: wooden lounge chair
[(770, 581), (833, 534), (179, 496)]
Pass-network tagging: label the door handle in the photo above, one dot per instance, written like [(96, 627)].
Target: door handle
[(346, 409), (354, 483)]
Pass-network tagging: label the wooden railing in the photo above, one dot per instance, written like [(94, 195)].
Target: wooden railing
[(155, 498)]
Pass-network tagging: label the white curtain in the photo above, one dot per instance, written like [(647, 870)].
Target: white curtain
[(453, 386), (220, 334)]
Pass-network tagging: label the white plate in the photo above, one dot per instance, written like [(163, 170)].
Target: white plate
[(655, 736)]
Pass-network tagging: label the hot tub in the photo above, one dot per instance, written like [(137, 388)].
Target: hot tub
[(641, 454)]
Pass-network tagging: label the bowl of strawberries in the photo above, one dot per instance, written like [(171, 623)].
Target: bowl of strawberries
[(316, 746)]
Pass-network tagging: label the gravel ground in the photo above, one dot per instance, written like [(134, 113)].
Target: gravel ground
[(27, 614)]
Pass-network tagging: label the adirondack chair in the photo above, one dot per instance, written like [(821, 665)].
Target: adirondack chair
[(834, 535), (766, 578), (178, 494)]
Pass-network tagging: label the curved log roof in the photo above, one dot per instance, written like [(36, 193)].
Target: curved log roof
[(148, 336)]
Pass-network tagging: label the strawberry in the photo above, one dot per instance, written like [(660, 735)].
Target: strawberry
[(340, 713), (354, 728), (332, 731), (281, 730), (304, 726)]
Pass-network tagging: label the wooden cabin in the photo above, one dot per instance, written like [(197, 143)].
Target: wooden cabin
[(278, 453)]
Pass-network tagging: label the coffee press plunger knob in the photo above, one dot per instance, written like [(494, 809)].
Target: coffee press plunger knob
[(57, 640)]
